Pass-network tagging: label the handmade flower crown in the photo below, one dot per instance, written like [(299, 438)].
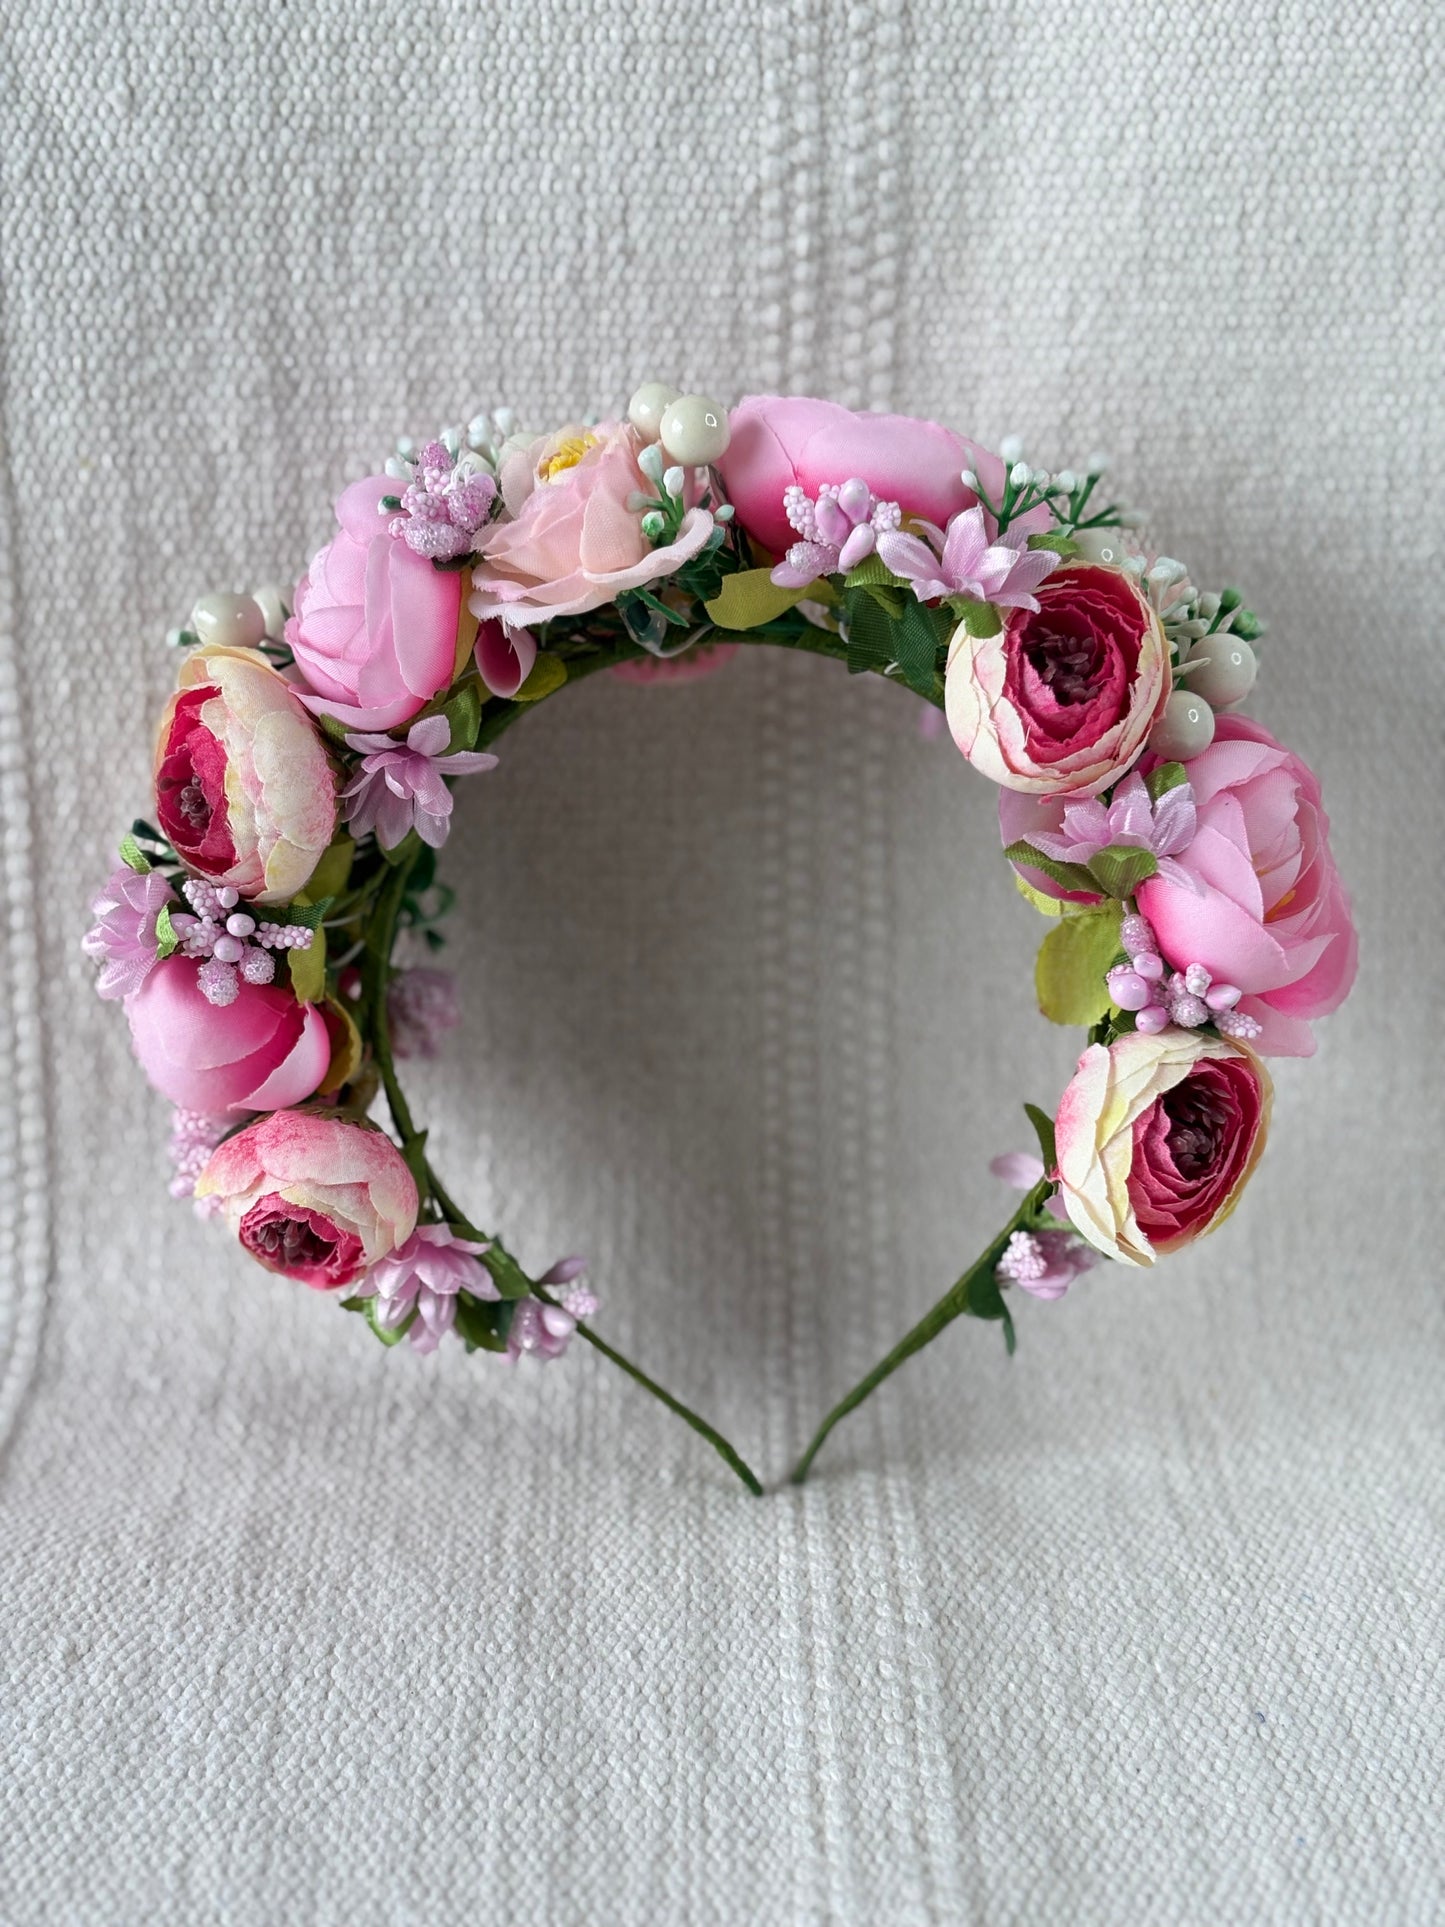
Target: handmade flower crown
[(303, 784)]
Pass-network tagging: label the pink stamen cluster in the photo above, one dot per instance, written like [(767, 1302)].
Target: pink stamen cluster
[(1044, 1263), (838, 529), (230, 945), (545, 1331), (1159, 997), (194, 1135), (444, 506)]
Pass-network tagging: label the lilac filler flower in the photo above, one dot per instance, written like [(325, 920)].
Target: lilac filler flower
[(545, 1331), (1044, 1263), (123, 939), (967, 561), (401, 786), (1131, 818), (837, 531), (421, 1004), (426, 1273)]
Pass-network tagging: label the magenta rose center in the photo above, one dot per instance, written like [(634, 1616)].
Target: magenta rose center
[(191, 788), (1189, 1148), (300, 1242)]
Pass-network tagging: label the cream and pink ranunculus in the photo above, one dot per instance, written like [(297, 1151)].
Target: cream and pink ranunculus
[(374, 631), (260, 1053), (1062, 699), (1261, 903), (779, 441), (315, 1197), (570, 538), (244, 788), (1156, 1138)]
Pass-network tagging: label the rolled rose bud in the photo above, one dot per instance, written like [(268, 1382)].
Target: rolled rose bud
[(260, 1053), (314, 1197), (1062, 699), (375, 625), (784, 441), (1156, 1138), (1255, 897), (244, 787)]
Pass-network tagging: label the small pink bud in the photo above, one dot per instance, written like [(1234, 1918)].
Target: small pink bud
[(1149, 965), (228, 950), (1128, 989), (1218, 996), (240, 925), (1197, 980), (855, 498), (228, 898), (1155, 1018)]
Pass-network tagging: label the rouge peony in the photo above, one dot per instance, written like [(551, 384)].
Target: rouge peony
[(782, 441), (244, 788), (375, 625), (573, 540), (1260, 903), (261, 1052), (1156, 1138), (314, 1197), (1062, 699)]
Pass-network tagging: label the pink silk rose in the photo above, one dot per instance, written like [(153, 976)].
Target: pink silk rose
[(778, 441), (1156, 1138), (1267, 909), (1062, 699), (568, 540), (261, 1052), (314, 1197), (375, 625), (244, 788)]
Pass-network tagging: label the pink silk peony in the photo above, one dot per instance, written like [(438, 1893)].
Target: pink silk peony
[(1268, 911), (569, 541), (316, 1198), (244, 788), (260, 1053), (778, 441), (1156, 1138), (1062, 699), (375, 626)]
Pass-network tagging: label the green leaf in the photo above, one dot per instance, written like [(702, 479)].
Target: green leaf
[(1056, 541), (464, 717), (919, 637), (507, 1275), (332, 873), (308, 969), (872, 573), (477, 1324), (132, 855), (1121, 869), (871, 634), (548, 674), (750, 598), (404, 851), (985, 1300), (1167, 777), (1068, 876), (308, 914), (1072, 962), (366, 1307), (1044, 1131), (423, 871), (978, 618), (166, 939)]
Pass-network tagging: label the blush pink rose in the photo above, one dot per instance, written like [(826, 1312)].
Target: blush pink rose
[(316, 1198), (1157, 1137), (1270, 912), (779, 440), (244, 787), (260, 1053), (375, 625), (1062, 699), (568, 540)]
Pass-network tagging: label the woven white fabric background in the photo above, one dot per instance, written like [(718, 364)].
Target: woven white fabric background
[(1145, 1626)]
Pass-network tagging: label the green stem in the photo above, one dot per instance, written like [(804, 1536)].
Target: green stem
[(699, 1425), (380, 940), (953, 1304)]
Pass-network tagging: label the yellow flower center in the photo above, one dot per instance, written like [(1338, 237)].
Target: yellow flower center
[(566, 455)]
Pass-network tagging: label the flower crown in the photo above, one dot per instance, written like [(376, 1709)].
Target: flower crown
[(303, 784)]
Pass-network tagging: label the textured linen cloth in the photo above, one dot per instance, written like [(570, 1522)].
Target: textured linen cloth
[(1143, 1626)]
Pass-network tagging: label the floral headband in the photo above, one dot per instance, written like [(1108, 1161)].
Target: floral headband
[(303, 785)]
